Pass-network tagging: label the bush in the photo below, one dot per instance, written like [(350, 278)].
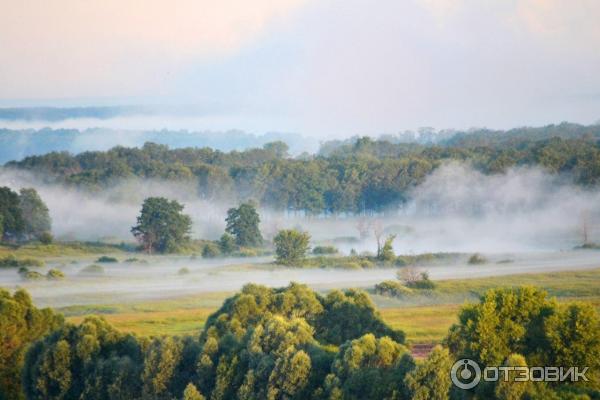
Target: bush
[(107, 259), (32, 276), (247, 252), (183, 271), (93, 269), (46, 238), (366, 263), (12, 261), (422, 284), (210, 250), (291, 246), (55, 274), (477, 259), (349, 265), (322, 250), (392, 289)]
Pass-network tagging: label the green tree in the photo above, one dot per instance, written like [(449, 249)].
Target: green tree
[(13, 224), (386, 253), (290, 374), (21, 323), (191, 393), (431, 379), (227, 243), (161, 225), (291, 246), (36, 218), (506, 387), (242, 222)]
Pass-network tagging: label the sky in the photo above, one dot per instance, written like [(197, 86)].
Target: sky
[(324, 68)]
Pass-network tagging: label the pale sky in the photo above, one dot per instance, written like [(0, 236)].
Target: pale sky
[(317, 67)]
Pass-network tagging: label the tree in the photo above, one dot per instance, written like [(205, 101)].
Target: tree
[(191, 393), (431, 379), (13, 224), (36, 218), (291, 246), (21, 324), (242, 222), (227, 243), (507, 388), (386, 252), (161, 225)]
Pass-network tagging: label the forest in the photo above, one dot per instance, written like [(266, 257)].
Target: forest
[(358, 176)]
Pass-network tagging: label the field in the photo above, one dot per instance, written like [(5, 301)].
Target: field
[(425, 317)]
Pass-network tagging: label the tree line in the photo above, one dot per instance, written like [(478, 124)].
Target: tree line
[(358, 176), (293, 343)]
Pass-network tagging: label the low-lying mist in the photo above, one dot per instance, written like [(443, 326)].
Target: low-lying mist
[(456, 209)]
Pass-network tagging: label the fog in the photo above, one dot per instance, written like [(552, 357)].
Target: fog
[(456, 209), (158, 278)]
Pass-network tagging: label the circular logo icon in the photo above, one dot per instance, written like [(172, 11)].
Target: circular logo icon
[(465, 374)]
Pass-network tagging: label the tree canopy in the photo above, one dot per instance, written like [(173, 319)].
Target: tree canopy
[(242, 223), (162, 226)]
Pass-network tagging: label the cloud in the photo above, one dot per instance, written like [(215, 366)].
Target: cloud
[(68, 48)]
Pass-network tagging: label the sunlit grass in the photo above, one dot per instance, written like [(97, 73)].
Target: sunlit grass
[(425, 318)]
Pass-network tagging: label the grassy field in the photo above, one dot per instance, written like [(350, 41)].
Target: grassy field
[(62, 250), (425, 317)]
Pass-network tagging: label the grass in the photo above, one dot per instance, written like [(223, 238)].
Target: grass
[(61, 249), (425, 317)]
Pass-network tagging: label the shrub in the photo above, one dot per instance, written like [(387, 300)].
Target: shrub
[(55, 274), (183, 271), (227, 243), (392, 289), (247, 252), (322, 250), (366, 263), (93, 269), (210, 250), (291, 246), (132, 260), (107, 259), (12, 261), (46, 238), (422, 284), (349, 265), (32, 276), (477, 259)]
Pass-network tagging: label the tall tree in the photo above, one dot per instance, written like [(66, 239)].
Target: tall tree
[(35, 213), (161, 225), (242, 222), (12, 217)]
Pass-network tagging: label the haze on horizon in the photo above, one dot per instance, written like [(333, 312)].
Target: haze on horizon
[(322, 69)]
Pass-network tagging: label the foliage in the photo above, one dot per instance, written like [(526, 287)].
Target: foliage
[(392, 289), (506, 387), (210, 250), (37, 222), (476, 259), (227, 243), (55, 274), (107, 259), (45, 238), (525, 322), (242, 222), (21, 323), (92, 269), (355, 176), (162, 226), (183, 271), (291, 246), (12, 261), (13, 223), (386, 252), (430, 380), (323, 250)]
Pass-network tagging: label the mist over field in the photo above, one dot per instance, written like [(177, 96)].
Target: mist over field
[(456, 209)]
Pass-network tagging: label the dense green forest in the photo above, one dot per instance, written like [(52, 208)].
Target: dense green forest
[(292, 343), (355, 176)]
